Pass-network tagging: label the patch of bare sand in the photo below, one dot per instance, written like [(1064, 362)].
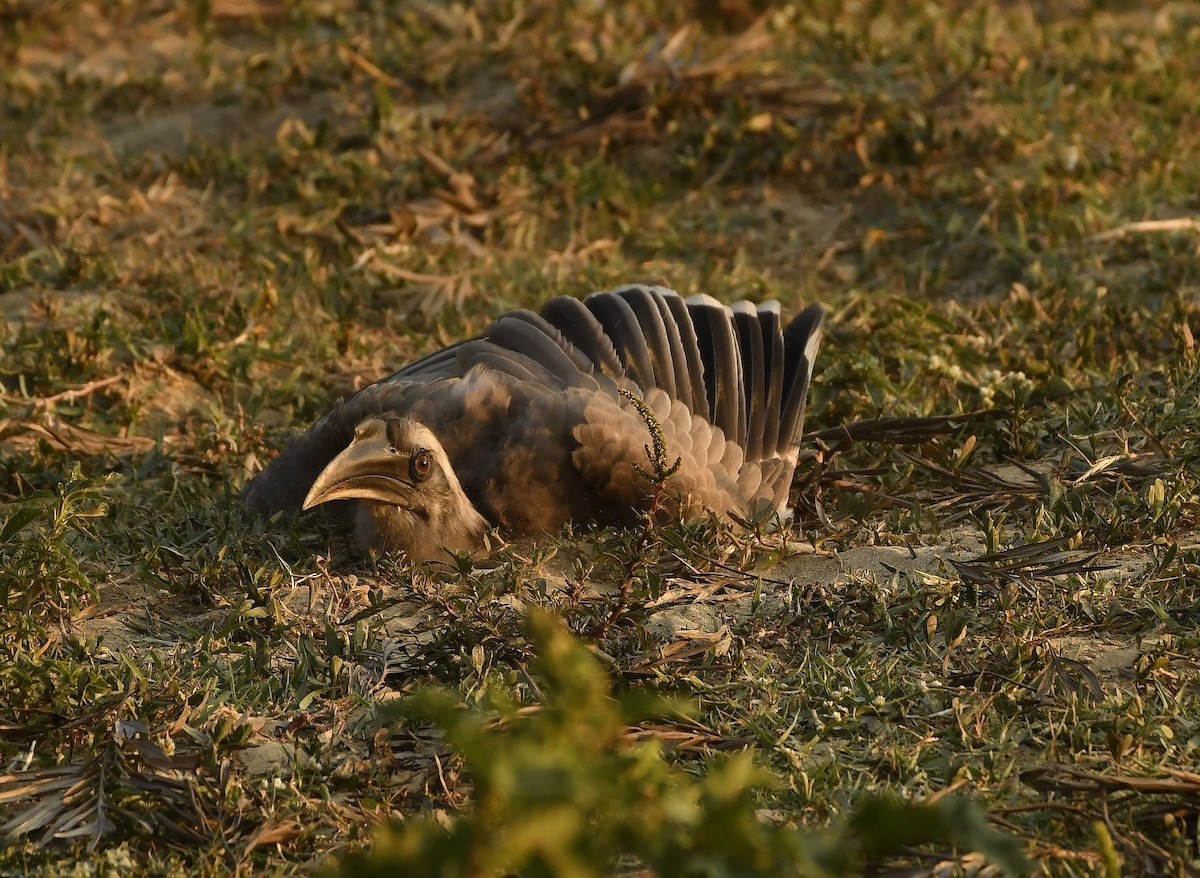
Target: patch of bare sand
[(33, 309), (806, 570), (170, 132), (128, 613), (165, 397), (1111, 658)]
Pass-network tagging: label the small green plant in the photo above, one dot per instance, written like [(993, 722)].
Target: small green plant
[(561, 790), (657, 451), (42, 576), (659, 474)]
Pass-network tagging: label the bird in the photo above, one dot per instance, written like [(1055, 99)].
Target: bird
[(548, 418)]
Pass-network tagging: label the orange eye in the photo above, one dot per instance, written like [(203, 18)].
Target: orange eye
[(419, 465)]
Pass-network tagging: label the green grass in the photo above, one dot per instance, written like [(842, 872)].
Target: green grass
[(217, 218)]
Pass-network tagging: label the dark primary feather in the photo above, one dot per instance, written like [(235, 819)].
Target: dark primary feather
[(534, 425), (773, 366), (750, 345), (800, 341), (653, 338), (689, 367), (722, 365), (584, 332), (627, 334)]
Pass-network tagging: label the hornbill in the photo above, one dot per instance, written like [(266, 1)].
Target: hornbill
[(533, 424)]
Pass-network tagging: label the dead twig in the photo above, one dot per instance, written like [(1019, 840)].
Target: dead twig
[(41, 402), (1180, 224)]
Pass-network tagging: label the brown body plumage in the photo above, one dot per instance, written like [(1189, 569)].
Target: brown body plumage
[(526, 426)]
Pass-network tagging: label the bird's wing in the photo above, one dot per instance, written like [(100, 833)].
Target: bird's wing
[(531, 414), (741, 376), (722, 362)]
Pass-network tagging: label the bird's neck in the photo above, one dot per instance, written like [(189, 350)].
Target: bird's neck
[(434, 535)]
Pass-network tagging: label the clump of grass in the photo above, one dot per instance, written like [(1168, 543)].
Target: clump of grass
[(44, 579)]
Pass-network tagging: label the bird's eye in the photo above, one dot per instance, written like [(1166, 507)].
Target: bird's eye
[(420, 465)]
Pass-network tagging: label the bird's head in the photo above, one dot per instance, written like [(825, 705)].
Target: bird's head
[(408, 497)]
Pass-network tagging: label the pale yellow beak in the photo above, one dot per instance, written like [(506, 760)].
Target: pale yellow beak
[(362, 472)]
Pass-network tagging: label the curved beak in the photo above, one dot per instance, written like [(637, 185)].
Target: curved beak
[(361, 473)]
